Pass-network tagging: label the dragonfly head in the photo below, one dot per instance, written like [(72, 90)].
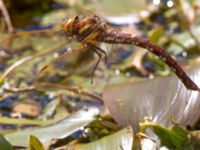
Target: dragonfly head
[(69, 25)]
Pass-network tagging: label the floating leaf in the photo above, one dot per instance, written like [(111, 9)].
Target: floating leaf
[(28, 107), (161, 99), (121, 140), (50, 109), (59, 130), (35, 144), (4, 144), (6, 120), (61, 113), (174, 137)]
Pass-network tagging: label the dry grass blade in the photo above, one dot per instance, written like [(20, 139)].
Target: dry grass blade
[(26, 59)]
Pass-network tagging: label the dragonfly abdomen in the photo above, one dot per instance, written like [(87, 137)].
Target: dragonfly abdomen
[(115, 36)]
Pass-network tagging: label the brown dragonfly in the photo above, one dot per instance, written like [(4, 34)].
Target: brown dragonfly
[(90, 31)]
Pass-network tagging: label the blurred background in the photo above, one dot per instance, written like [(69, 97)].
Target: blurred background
[(42, 84)]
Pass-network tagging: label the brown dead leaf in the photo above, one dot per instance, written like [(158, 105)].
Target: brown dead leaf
[(29, 107)]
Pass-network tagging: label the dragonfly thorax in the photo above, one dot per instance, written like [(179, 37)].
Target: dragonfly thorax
[(86, 28)]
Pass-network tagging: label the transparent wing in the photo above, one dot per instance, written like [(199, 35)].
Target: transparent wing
[(50, 52)]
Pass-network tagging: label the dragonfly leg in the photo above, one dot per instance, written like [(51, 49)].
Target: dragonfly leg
[(98, 61), (102, 51)]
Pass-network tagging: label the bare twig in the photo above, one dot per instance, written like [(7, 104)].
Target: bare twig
[(14, 66), (52, 86), (75, 89), (19, 90), (6, 16)]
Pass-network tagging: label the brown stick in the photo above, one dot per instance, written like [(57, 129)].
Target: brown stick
[(52, 86)]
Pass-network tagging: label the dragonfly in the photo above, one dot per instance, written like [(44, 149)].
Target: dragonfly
[(90, 31)]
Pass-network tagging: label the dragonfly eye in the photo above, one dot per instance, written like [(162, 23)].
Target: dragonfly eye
[(67, 26), (76, 18)]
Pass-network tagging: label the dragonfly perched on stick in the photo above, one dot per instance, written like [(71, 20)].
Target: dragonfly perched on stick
[(92, 30)]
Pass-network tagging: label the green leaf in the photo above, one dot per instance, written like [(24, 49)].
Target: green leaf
[(34, 143), (175, 137), (62, 129), (121, 140), (4, 144), (156, 34)]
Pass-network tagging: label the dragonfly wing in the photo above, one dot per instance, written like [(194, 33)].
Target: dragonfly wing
[(73, 61)]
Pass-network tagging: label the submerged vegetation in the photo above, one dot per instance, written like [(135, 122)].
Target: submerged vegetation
[(142, 59)]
